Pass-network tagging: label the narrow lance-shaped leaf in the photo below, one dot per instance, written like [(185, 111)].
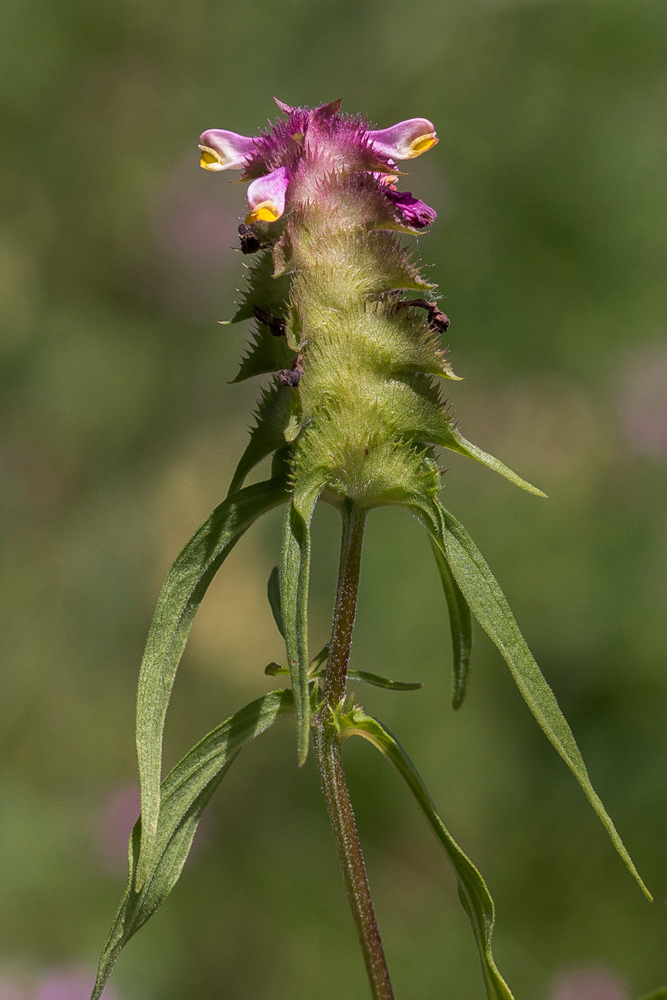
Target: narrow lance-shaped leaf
[(180, 597), (277, 405), (273, 594), (383, 682), (454, 440), (658, 995), (273, 669), (473, 892), (294, 577), (489, 605), (461, 626), (262, 289), (266, 353), (183, 795), (319, 659)]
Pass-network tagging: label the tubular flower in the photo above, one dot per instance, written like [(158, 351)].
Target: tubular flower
[(405, 140), (223, 150), (266, 196)]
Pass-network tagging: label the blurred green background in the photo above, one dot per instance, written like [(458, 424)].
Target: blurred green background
[(119, 434)]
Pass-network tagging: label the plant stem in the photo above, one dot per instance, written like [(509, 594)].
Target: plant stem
[(327, 749), (345, 607)]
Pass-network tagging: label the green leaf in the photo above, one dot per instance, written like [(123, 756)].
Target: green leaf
[(183, 795), (454, 440), (318, 660), (263, 290), (461, 625), (382, 682), (273, 669), (658, 995), (179, 600), (294, 577), (473, 892), (276, 406), (273, 594), (489, 605), (265, 353)]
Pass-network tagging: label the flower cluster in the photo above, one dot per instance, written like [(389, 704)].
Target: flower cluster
[(328, 290), (325, 141)]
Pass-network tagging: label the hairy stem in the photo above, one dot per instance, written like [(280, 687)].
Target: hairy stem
[(327, 748), (345, 608)]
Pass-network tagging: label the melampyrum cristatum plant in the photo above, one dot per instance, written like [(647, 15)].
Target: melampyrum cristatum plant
[(351, 331)]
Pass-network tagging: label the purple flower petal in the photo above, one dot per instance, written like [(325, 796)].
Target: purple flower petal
[(405, 140), (223, 150), (266, 196), (410, 210)]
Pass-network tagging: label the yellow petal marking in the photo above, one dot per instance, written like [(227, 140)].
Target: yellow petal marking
[(210, 160), (420, 145), (266, 211)]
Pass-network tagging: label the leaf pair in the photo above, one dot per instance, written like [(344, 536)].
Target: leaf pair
[(273, 669), (178, 603), (183, 795), (476, 587)]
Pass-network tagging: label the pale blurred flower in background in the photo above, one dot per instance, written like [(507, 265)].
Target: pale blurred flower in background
[(642, 401), (70, 984), (118, 813), (588, 983), (195, 227), (10, 991), (67, 983)]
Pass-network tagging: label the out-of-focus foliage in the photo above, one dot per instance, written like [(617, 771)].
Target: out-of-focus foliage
[(119, 435)]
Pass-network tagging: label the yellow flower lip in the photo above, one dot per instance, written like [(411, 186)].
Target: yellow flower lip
[(210, 160), (266, 211), (422, 144)]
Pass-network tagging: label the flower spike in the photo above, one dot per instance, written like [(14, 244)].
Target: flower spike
[(266, 196), (405, 140), (223, 150)]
